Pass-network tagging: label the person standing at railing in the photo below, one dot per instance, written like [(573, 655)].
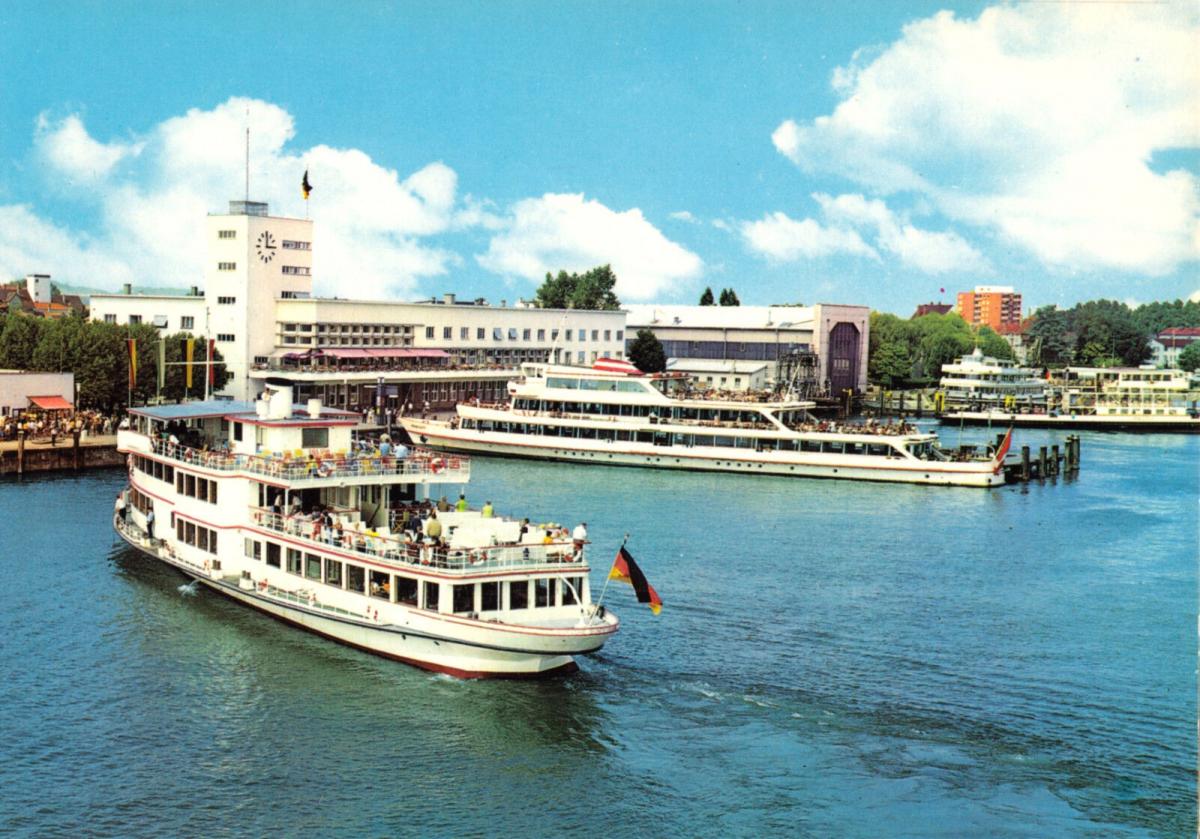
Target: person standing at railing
[(488, 510), (433, 528), (461, 506)]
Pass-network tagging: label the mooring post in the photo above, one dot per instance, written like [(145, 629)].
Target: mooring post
[(1054, 459), (21, 452), (75, 449), (1042, 462), (1024, 463)]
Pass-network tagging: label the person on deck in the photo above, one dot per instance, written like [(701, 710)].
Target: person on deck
[(580, 536), (433, 528), (488, 510), (461, 506), (443, 505)]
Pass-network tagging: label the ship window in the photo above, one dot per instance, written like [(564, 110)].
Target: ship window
[(253, 549), (381, 585), (202, 538), (572, 588), (518, 594), (431, 596), (356, 579), (832, 448), (312, 566), (295, 562), (406, 590), (333, 572), (543, 592), (237, 431), (489, 596), (273, 554), (878, 449), (854, 448), (464, 598), (314, 438)]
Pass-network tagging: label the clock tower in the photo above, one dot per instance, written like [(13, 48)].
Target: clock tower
[(254, 259)]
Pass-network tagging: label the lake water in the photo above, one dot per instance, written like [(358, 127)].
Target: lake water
[(833, 659)]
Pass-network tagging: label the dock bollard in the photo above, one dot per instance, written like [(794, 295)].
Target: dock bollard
[(75, 449), (21, 452), (1042, 462), (1054, 459), (1024, 463)]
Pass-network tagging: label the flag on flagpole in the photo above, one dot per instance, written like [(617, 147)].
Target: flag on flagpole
[(212, 365), (1003, 450), (305, 186), (189, 353), (627, 571), (131, 344)]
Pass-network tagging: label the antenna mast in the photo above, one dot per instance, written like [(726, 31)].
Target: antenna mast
[(247, 153)]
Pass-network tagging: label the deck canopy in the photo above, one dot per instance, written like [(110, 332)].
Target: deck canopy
[(51, 403)]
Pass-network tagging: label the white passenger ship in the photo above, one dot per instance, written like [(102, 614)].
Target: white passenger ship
[(1106, 399), (216, 489), (980, 382), (613, 414)]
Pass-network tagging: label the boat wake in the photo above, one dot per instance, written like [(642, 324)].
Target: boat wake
[(189, 589)]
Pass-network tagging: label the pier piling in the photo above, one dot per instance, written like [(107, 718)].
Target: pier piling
[(1054, 459), (75, 449), (1042, 458), (21, 452), (1024, 463)]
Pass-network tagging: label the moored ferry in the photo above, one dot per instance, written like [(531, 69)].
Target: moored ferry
[(980, 382), (613, 414), (272, 505), (1105, 399)]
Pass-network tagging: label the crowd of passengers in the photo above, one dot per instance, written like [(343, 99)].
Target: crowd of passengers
[(416, 526), (54, 426)]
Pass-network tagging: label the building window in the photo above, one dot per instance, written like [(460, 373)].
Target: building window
[(512, 334), (226, 234), (135, 318), (480, 334), (497, 334), (226, 266), (110, 318), (620, 334), (297, 270), (187, 322), (541, 335), (296, 246), (429, 332), (226, 301), (225, 337), (595, 334), (570, 335), (464, 333), (447, 332), (526, 335), (580, 356), (608, 335)]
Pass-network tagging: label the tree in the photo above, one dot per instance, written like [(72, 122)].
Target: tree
[(18, 341), (646, 352), (1189, 359), (891, 349), (706, 299), (591, 290), (990, 343), (941, 340), (1050, 336), (729, 297), (1110, 325)]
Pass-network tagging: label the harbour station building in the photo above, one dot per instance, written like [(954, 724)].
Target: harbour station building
[(257, 306), (819, 350)]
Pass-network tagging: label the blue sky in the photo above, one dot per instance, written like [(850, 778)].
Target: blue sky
[(858, 152)]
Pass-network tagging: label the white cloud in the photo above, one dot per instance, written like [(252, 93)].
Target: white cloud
[(566, 232), (151, 195), (1194, 297), (1037, 121), (781, 238), (67, 147), (684, 215), (933, 252)]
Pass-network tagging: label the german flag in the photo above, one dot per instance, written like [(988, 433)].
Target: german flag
[(627, 571), (305, 186)]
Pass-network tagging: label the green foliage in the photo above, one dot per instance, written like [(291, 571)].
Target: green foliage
[(729, 297), (1152, 318), (646, 352), (706, 299), (1096, 333), (990, 343), (1189, 359), (18, 341), (1050, 337), (591, 290)]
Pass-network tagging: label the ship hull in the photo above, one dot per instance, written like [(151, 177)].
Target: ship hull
[(500, 444), (483, 652)]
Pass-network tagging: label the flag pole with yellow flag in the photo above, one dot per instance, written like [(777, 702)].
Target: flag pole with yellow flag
[(189, 354)]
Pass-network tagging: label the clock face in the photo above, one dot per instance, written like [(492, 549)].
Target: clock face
[(266, 246)]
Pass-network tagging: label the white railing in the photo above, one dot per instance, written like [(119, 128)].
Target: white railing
[(399, 551), (419, 463)]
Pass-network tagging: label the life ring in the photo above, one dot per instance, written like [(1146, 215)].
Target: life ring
[(262, 585), (324, 470)]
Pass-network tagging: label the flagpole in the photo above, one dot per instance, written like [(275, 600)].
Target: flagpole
[(608, 576)]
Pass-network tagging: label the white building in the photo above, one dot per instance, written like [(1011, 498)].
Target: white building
[(21, 391), (257, 304), (830, 338)]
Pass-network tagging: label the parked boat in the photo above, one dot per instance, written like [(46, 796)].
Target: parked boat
[(270, 504), (613, 414), (978, 382)]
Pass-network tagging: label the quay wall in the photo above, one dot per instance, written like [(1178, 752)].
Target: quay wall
[(71, 454)]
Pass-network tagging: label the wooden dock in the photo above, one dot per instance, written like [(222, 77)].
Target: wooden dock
[(67, 454)]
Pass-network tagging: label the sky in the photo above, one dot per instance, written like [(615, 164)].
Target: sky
[(875, 153)]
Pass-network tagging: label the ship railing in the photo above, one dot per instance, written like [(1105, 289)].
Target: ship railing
[(424, 554), (314, 463)]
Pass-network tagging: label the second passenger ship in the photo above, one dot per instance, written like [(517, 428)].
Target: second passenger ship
[(613, 414)]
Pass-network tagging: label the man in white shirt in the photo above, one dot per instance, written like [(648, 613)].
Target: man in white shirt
[(579, 535)]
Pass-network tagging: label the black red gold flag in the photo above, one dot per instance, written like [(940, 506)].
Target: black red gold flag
[(627, 571), (305, 186)]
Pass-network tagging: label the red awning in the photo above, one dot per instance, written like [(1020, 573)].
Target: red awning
[(51, 403)]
